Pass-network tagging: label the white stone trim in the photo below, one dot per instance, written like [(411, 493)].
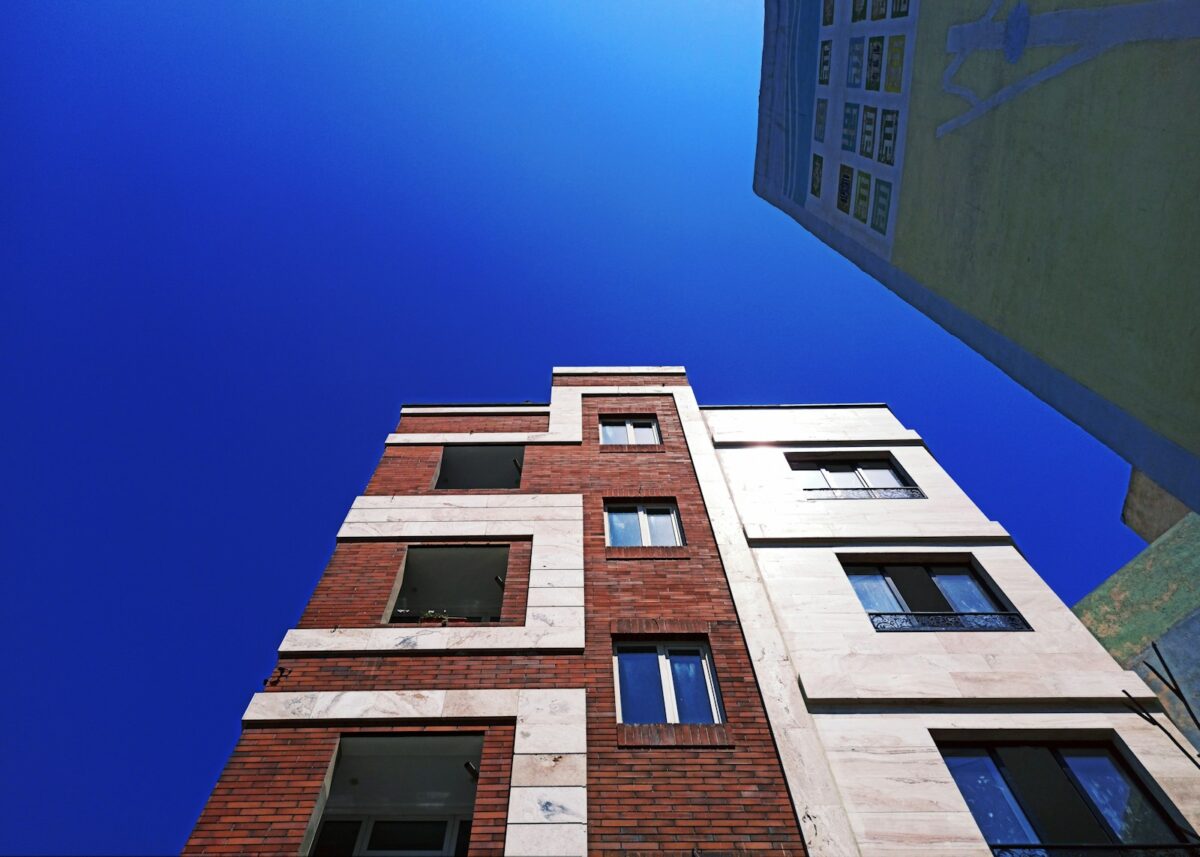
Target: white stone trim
[(554, 612), (619, 370), (547, 802), (451, 410)]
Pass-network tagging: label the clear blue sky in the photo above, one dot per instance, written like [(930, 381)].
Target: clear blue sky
[(237, 236)]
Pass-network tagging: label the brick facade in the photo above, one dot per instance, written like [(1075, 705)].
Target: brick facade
[(668, 788)]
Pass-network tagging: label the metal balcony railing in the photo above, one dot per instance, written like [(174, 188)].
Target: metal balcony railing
[(1007, 621), (1175, 850), (906, 493)]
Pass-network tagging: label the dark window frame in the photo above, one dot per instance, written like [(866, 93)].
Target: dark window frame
[(1140, 779), (1006, 618), (389, 616), (907, 490), (440, 474)]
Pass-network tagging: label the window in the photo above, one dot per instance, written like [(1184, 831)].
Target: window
[(400, 795), (1065, 795), (492, 466), (632, 431), (451, 581), (931, 598), (642, 525), (843, 479), (665, 683)]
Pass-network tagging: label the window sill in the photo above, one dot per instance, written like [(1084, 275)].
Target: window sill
[(679, 552), (631, 447), (891, 622), (711, 735)]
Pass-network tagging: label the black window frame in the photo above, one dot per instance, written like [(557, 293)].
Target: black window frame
[(397, 616), (1006, 618), (1187, 843), (455, 449), (907, 490)]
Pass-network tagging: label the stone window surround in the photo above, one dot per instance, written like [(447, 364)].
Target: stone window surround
[(554, 614), (547, 803)]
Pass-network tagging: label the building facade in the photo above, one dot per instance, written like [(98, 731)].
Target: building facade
[(620, 622), (1022, 173)]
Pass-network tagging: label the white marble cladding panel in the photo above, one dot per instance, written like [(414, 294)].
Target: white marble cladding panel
[(774, 505), (554, 615), (903, 802), (547, 804), (816, 424), (839, 656)]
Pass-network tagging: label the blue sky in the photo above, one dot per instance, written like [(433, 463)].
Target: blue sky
[(237, 236)]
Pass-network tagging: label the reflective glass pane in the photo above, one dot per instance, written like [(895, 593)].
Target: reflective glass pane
[(691, 690), (875, 594), (407, 836), (810, 476), (641, 686), (964, 592), (1123, 803), (613, 433), (989, 798), (879, 474), (662, 527), (623, 528), (842, 476), (644, 433)]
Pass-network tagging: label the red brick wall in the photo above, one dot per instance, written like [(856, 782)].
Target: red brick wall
[(272, 782), (358, 583), (620, 381), (418, 423), (656, 790)]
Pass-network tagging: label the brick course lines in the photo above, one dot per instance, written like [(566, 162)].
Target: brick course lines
[(418, 423), (269, 790), (640, 799)]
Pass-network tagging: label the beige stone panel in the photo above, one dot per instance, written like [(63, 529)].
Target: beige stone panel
[(916, 833), (547, 805), (551, 738), (479, 703), (550, 769), (545, 840)]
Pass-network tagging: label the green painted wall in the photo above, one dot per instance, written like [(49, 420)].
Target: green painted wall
[(1156, 591), (1067, 217)]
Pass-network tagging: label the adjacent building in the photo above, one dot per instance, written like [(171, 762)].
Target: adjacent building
[(1024, 173), (620, 622)]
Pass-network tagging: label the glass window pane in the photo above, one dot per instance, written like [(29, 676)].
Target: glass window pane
[(643, 432), (613, 433), (964, 592), (878, 474), (623, 528), (662, 527), (336, 838), (1128, 810), (407, 836), (810, 476), (641, 686), (842, 476), (691, 689), (989, 798), (875, 594)]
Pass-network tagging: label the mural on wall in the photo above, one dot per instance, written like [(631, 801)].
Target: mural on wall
[(1091, 32)]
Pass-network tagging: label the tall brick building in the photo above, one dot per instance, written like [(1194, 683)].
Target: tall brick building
[(620, 622)]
